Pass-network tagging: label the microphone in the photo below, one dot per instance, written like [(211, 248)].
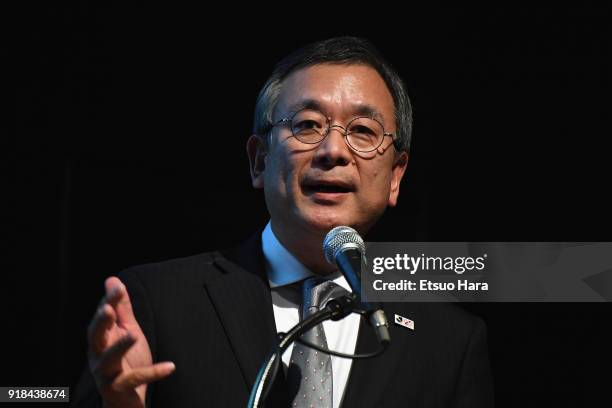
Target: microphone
[(344, 248)]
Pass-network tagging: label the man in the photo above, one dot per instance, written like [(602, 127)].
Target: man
[(331, 135)]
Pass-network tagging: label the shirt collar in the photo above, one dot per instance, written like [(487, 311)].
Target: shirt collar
[(283, 268)]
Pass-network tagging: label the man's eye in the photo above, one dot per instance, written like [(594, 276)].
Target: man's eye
[(362, 129), (307, 124)]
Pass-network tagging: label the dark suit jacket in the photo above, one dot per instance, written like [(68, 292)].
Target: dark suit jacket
[(212, 315)]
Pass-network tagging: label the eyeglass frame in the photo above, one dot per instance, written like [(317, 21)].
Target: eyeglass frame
[(330, 126)]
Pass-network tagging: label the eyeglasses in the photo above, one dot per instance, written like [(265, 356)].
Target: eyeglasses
[(363, 134)]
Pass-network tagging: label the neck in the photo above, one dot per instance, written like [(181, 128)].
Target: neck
[(306, 246)]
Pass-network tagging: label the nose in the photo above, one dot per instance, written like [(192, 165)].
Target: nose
[(333, 150)]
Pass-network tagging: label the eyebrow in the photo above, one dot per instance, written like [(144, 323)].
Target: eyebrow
[(359, 110)]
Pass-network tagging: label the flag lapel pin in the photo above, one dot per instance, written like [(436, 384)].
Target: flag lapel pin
[(404, 321)]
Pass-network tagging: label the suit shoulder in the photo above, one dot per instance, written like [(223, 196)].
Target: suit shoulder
[(453, 312), (194, 266)]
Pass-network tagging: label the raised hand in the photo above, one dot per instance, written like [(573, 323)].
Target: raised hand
[(119, 354)]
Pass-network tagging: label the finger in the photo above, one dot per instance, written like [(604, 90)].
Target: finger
[(97, 332), (143, 375), (119, 299), (109, 364), (113, 287)]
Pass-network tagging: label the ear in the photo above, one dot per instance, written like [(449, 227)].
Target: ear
[(397, 172), (257, 150)]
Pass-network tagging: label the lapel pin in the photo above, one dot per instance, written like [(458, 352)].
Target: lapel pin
[(404, 321)]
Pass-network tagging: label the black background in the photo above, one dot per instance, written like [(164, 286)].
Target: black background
[(131, 125)]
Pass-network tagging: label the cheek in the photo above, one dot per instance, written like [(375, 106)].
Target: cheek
[(280, 176), (273, 179), (376, 187)]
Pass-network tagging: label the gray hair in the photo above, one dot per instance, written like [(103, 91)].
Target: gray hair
[(338, 50)]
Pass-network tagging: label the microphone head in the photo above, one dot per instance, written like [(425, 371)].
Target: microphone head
[(340, 239)]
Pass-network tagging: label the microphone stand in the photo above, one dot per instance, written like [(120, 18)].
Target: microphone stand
[(335, 309)]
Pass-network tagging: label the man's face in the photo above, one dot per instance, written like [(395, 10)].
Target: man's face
[(320, 186)]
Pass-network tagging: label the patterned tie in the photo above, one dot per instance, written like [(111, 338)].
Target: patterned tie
[(310, 371)]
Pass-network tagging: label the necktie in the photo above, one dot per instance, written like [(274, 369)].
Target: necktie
[(310, 371)]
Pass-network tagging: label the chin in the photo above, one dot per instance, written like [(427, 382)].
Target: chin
[(323, 220)]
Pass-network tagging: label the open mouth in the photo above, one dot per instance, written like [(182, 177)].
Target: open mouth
[(326, 188)]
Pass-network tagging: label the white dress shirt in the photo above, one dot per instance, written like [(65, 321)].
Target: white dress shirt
[(283, 269)]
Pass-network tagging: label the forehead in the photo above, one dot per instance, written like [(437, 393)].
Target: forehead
[(340, 90)]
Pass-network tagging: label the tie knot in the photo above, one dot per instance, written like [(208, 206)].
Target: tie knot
[(317, 291)]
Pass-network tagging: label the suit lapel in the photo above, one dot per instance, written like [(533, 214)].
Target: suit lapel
[(241, 297), (370, 377)]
